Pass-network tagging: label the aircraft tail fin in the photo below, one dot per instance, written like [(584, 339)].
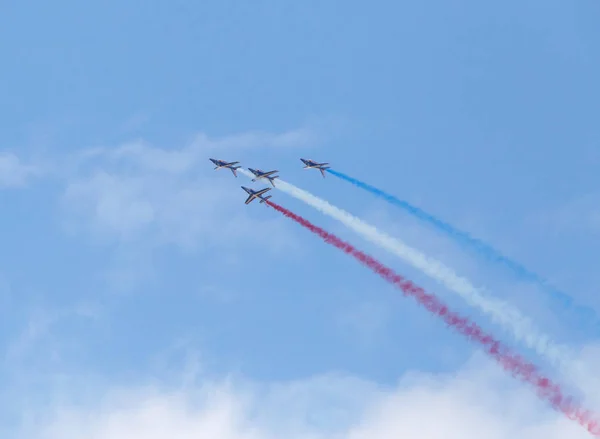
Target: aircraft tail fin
[(234, 169), (263, 199)]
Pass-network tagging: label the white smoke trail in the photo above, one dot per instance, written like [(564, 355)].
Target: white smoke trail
[(500, 312)]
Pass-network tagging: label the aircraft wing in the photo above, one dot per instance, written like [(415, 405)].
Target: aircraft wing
[(254, 194), (262, 191), (312, 164)]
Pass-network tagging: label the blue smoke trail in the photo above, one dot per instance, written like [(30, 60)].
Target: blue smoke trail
[(585, 314)]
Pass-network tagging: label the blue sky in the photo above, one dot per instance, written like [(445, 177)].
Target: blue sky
[(127, 262)]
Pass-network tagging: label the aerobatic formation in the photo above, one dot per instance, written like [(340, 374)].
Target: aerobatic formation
[(500, 311)]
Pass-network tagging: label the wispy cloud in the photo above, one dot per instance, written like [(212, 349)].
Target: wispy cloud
[(141, 197), (119, 204), (37, 327), (13, 172), (478, 402), (38, 340), (137, 188), (197, 150)]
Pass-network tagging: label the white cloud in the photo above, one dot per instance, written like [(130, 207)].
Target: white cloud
[(190, 212), (138, 191), (140, 197), (116, 203), (37, 327), (479, 403), (38, 340), (13, 173), (198, 150)]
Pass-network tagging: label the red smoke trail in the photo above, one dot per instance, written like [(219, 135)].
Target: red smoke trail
[(513, 363)]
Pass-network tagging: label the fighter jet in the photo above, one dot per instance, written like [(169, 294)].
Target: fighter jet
[(256, 194), (222, 164), (311, 164), (258, 174)]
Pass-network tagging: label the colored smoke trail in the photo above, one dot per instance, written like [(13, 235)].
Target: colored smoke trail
[(513, 363), (501, 312), (586, 315)]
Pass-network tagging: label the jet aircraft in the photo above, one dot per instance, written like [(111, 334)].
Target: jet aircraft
[(258, 174), (223, 164), (256, 194), (311, 164)]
